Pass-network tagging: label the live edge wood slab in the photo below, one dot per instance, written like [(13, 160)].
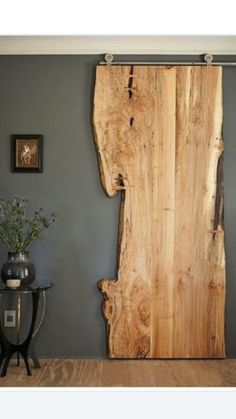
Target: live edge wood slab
[(159, 142)]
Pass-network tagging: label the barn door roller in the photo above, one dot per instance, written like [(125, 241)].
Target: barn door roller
[(207, 61)]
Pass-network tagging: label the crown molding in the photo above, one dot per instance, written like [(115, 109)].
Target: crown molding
[(177, 45)]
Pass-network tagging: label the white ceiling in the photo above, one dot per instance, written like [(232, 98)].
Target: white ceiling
[(225, 45)]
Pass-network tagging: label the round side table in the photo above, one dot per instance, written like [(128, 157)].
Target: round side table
[(26, 348)]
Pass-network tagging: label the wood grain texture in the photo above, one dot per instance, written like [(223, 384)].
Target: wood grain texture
[(17, 375), (90, 372), (60, 373), (158, 137), (117, 373)]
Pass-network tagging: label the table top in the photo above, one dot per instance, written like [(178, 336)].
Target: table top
[(34, 287)]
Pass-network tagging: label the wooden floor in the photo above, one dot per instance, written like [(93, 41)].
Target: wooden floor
[(111, 373)]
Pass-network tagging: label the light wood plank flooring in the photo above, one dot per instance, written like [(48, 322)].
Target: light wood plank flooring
[(115, 373)]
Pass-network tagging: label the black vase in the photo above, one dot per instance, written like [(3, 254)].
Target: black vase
[(18, 267)]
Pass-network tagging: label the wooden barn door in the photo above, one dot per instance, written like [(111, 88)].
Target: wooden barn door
[(158, 132)]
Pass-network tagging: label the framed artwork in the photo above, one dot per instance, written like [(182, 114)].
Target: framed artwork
[(27, 153)]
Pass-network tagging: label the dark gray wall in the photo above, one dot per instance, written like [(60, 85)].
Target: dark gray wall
[(52, 95)]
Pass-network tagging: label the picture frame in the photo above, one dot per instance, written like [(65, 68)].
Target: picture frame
[(27, 153)]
